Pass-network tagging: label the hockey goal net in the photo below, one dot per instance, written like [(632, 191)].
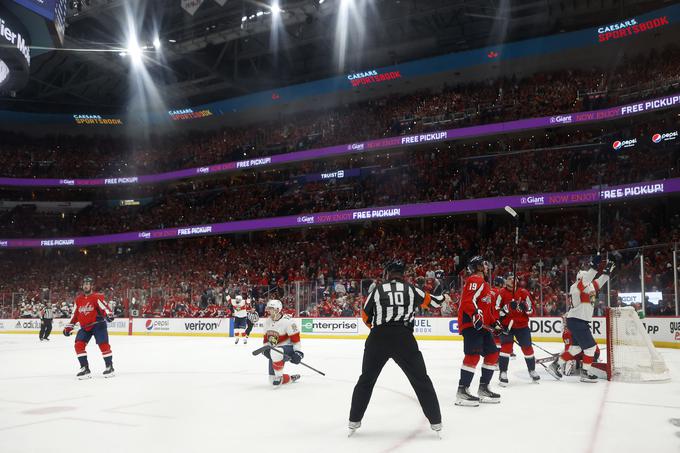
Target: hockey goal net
[(631, 355)]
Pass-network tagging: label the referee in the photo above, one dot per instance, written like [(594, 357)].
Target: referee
[(389, 311), (46, 316)]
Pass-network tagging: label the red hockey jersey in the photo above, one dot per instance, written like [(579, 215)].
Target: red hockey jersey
[(520, 319), (89, 308), (476, 295)]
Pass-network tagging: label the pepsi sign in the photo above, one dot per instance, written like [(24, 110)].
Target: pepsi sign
[(620, 144), (664, 137)]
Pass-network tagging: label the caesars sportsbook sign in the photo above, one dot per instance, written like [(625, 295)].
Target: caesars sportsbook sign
[(15, 53)]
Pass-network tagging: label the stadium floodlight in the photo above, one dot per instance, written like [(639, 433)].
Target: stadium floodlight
[(157, 43), (244, 18), (134, 50), (276, 9), (259, 13), (321, 2)]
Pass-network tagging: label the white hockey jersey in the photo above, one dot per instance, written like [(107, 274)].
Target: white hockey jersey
[(240, 307), (282, 332), (584, 294)]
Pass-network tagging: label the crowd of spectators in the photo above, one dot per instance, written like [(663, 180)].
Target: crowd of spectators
[(327, 271), (550, 162), (452, 106)]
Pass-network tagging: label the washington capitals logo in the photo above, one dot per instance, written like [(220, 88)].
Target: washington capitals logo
[(85, 309)]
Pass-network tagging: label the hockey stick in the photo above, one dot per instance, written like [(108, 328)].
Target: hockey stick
[(514, 215), (285, 356), (261, 350), (550, 358), (542, 349), (92, 324), (540, 362)]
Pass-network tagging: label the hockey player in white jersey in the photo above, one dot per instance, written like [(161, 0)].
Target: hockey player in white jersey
[(281, 332), (583, 297), (240, 313)]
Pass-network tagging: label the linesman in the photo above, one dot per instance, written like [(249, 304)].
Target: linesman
[(389, 312), (46, 316)]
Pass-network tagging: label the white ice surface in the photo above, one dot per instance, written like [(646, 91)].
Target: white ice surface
[(186, 394)]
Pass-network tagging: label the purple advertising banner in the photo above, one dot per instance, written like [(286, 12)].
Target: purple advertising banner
[(628, 191), (360, 147)]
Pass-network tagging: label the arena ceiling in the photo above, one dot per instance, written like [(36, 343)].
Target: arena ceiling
[(230, 50)]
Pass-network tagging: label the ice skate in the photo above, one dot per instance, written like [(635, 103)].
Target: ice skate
[(534, 376), (586, 376), (554, 370), (353, 426), (84, 373), (503, 379), (487, 396), (465, 398)]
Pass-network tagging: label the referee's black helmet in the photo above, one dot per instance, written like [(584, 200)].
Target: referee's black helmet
[(395, 267)]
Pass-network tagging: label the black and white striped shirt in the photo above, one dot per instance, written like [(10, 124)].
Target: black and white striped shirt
[(47, 313), (396, 302)]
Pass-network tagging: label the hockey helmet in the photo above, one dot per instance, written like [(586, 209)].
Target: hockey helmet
[(274, 305), (396, 266), (476, 264)]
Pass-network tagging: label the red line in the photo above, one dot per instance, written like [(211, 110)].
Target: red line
[(598, 423)]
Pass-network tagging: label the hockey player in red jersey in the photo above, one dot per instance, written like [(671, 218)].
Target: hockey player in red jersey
[(92, 313), (476, 320), (516, 305)]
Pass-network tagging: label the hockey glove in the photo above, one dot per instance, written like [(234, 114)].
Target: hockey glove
[(523, 306), (504, 311), (109, 318), (68, 329), (609, 268), (595, 261), (499, 329), (297, 356), (514, 305), (478, 320)]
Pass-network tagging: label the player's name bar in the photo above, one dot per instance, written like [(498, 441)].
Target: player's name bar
[(363, 147), (613, 193)]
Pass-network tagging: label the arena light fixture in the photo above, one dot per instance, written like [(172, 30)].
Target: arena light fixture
[(157, 43), (134, 50), (276, 9)]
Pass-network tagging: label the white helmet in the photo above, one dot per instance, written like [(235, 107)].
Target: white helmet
[(274, 304), (239, 298)]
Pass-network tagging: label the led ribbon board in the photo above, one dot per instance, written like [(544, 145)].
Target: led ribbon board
[(614, 193), (363, 147)]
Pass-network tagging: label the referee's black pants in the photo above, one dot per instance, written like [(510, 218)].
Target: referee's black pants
[(45, 328), (394, 342)]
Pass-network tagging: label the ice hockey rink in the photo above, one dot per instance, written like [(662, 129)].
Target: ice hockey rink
[(181, 394)]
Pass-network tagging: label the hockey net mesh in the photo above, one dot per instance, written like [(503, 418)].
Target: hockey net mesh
[(631, 354)]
